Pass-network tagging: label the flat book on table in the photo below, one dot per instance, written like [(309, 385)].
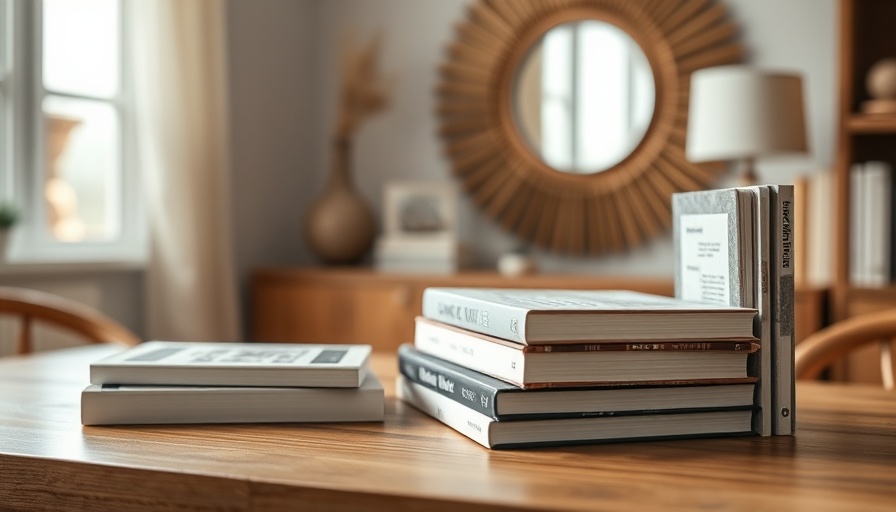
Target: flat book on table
[(113, 404), (235, 364), (502, 401), (599, 362), (570, 316), (561, 431)]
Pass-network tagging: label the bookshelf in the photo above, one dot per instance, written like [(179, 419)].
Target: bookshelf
[(866, 36)]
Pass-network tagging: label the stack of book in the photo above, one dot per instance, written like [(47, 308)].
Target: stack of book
[(436, 254), (178, 382), (532, 367)]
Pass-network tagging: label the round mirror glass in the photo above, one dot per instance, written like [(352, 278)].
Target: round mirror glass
[(584, 96)]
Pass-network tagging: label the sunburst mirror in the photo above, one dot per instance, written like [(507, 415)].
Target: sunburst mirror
[(565, 120)]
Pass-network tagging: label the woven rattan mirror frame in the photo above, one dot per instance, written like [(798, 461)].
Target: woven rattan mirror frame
[(608, 211)]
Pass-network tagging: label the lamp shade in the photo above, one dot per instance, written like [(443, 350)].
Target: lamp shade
[(740, 112)]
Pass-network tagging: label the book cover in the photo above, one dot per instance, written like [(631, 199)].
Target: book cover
[(719, 255), (113, 404), (597, 363), (503, 401), (564, 316), (545, 432), (235, 364), (781, 283)]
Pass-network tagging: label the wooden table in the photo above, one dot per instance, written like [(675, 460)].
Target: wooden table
[(843, 458)]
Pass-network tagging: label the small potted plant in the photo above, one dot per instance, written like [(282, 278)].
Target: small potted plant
[(9, 215)]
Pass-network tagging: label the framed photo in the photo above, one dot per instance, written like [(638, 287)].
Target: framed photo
[(420, 209)]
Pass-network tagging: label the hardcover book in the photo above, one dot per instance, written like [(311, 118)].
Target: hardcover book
[(565, 316), (782, 300), (113, 404), (525, 433), (604, 362), (235, 364), (732, 247), (500, 400)]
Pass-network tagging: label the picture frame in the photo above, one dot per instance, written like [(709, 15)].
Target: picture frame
[(419, 210)]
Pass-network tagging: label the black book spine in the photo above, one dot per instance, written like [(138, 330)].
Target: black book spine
[(458, 386)]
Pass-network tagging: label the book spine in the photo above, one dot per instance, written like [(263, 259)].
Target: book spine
[(499, 361), (453, 414), (783, 270), (490, 318), (761, 277), (463, 389), (856, 239), (879, 200)]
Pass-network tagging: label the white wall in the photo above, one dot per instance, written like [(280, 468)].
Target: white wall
[(402, 144), (272, 87), (283, 85)]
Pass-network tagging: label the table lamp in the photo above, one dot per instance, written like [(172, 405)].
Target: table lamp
[(741, 113)]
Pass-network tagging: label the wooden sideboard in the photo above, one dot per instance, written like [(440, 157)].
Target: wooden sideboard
[(360, 305)]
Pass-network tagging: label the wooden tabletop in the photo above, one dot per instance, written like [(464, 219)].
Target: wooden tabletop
[(842, 458)]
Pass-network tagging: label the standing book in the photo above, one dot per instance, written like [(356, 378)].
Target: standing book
[(235, 364), (783, 300), (705, 222), (603, 362), (113, 404), (502, 401), (570, 316)]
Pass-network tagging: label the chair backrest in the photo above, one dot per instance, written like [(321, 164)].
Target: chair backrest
[(829, 345), (32, 305)]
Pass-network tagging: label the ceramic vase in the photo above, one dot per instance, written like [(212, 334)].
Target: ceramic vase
[(339, 226)]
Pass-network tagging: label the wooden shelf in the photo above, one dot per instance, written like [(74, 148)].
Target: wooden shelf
[(871, 123)]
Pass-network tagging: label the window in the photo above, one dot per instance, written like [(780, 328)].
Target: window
[(70, 163)]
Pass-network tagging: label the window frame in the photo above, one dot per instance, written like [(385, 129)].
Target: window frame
[(34, 242)]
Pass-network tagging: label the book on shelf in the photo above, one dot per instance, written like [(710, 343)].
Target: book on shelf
[(871, 227), (113, 404), (598, 362), (734, 247), (500, 400), (569, 316), (235, 364), (540, 432)]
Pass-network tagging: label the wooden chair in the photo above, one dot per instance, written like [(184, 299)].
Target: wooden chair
[(829, 345), (31, 305)]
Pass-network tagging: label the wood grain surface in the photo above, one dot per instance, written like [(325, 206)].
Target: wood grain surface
[(842, 458)]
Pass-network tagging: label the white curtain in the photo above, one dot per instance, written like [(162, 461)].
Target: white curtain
[(181, 112)]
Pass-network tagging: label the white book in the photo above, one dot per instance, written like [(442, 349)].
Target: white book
[(113, 404), (235, 364), (519, 433), (586, 364), (721, 257), (858, 228), (878, 203), (567, 316)]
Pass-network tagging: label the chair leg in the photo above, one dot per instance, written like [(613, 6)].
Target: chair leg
[(24, 346), (886, 365)]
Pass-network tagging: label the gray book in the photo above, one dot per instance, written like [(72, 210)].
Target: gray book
[(782, 293), (532, 317), (235, 364), (722, 257), (113, 404)]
